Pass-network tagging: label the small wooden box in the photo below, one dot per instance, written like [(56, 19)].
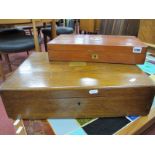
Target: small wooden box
[(97, 48), (40, 89)]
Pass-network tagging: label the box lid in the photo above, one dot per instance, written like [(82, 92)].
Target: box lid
[(74, 78), (74, 42)]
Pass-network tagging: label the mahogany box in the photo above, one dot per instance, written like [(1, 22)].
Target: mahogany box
[(40, 89), (97, 48)]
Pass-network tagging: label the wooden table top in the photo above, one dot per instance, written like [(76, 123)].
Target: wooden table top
[(38, 73), (14, 21), (22, 21)]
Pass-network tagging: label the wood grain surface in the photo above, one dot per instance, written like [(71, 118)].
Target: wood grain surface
[(40, 89), (97, 48)]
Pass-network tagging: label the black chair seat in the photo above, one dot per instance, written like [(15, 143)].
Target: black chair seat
[(59, 30), (64, 30), (17, 44), (11, 32), (15, 41)]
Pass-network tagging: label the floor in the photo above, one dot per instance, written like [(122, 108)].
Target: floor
[(6, 125)]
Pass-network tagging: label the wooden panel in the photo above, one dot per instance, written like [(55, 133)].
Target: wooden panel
[(97, 25), (90, 25), (119, 26), (38, 107), (130, 27), (97, 56), (87, 25), (147, 31), (78, 93)]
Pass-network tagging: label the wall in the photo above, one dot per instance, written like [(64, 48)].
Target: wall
[(147, 31)]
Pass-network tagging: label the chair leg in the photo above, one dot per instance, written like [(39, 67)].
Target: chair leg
[(27, 53), (45, 42), (1, 69), (6, 56), (0, 57), (2, 72)]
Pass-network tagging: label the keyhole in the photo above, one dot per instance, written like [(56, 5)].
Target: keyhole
[(79, 103)]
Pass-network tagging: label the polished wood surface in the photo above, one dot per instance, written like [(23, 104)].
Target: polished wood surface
[(97, 48), (102, 40), (41, 89), (50, 74)]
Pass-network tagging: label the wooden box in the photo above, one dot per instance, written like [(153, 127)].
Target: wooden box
[(97, 48), (40, 89)]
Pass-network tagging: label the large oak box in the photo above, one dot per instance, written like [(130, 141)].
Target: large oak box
[(97, 48), (40, 89)]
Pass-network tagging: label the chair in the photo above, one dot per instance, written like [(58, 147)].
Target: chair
[(67, 29), (14, 41)]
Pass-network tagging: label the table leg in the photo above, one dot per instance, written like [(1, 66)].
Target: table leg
[(35, 34), (7, 60), (53, 29)]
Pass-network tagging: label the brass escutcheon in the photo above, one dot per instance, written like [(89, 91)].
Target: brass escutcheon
[(94, 56)]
